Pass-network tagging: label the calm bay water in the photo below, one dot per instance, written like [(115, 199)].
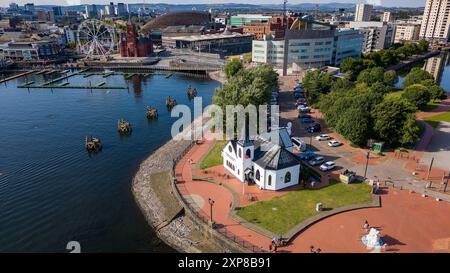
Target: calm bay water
[(438, 66), (52, 191)]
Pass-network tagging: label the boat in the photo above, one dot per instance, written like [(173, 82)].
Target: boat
[(124, 127), (152, 112), (92, 144)]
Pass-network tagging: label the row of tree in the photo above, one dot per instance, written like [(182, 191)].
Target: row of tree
[(383, 58), (365, 112), (366, 109)]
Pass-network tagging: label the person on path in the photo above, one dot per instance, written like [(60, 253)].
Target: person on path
[(366, 226)]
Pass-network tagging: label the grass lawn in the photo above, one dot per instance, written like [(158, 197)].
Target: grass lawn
[(434, 120), (282, 213), (214, 158)]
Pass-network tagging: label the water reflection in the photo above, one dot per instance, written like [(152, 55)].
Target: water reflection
[(435, 65)]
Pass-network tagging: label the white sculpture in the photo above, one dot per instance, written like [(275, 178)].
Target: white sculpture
[(372, 239)]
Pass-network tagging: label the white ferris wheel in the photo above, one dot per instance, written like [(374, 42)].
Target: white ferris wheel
[(96, 38)]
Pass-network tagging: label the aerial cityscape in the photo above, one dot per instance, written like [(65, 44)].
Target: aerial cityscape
[(272, 127)]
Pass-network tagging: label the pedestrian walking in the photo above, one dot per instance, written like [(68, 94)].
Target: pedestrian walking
[(366, 225)]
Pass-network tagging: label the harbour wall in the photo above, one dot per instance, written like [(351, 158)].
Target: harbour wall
[(174, 221)]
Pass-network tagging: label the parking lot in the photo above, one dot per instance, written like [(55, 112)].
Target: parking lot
[(341, 155)]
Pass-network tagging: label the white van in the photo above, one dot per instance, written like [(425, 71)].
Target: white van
[(299, 144)]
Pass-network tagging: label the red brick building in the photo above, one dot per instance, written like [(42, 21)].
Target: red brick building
[(275, 27), (133, 45)]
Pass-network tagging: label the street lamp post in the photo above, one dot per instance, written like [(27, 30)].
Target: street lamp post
[(367, 164), (211, 203), (446, 182)]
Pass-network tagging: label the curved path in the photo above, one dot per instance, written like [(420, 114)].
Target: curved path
[(407, 221)]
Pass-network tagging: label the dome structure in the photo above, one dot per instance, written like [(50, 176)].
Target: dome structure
[(178, 18)]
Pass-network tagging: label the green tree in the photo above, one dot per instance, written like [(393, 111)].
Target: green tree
[(370, 76), (316, 84), (437, 92), (416, 75), (417, 94), (389, 118), (342, 84), (411, 131), (232, 68), (423, 45), (249, 86), (354, 125), (390, 77), (353, 67)]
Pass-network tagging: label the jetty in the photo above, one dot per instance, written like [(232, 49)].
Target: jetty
[(61, 86), (17, 76)]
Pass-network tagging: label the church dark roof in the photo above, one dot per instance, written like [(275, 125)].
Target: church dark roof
[(272, 156), (179, 18)]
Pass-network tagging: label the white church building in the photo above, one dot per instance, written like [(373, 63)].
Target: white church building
[(272, 166)]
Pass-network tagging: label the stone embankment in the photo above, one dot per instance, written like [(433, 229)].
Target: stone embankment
[(173, 221)]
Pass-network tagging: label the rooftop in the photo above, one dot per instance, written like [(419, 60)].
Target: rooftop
[(206, 37)]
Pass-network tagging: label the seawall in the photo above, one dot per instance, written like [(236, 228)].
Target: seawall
[(164, 208)]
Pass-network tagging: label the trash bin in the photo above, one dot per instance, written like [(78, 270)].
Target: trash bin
[(319, 206)]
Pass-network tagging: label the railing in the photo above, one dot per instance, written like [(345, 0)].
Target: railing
[(201, 215)]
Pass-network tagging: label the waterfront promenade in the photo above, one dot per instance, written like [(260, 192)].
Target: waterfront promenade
[(338, 233), (401, 205)]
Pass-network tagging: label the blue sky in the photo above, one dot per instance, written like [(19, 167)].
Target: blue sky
[(386, 3)]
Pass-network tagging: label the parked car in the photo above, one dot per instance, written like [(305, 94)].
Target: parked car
[(298, 143), (298, 95), (301, 115), (334, 143), (316, 160), (307, 120), (303, 108), (322, 137), (313, 128), (329, 165), (307, 155)]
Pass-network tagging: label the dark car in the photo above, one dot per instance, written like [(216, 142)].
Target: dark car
[(298, 96), (314, 128), (307, 155), (304, 116), (307, 120)]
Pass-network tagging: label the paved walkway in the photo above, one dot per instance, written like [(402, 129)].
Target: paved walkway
[(223, 198), (390, 166), (407, 222), (338, 233)]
